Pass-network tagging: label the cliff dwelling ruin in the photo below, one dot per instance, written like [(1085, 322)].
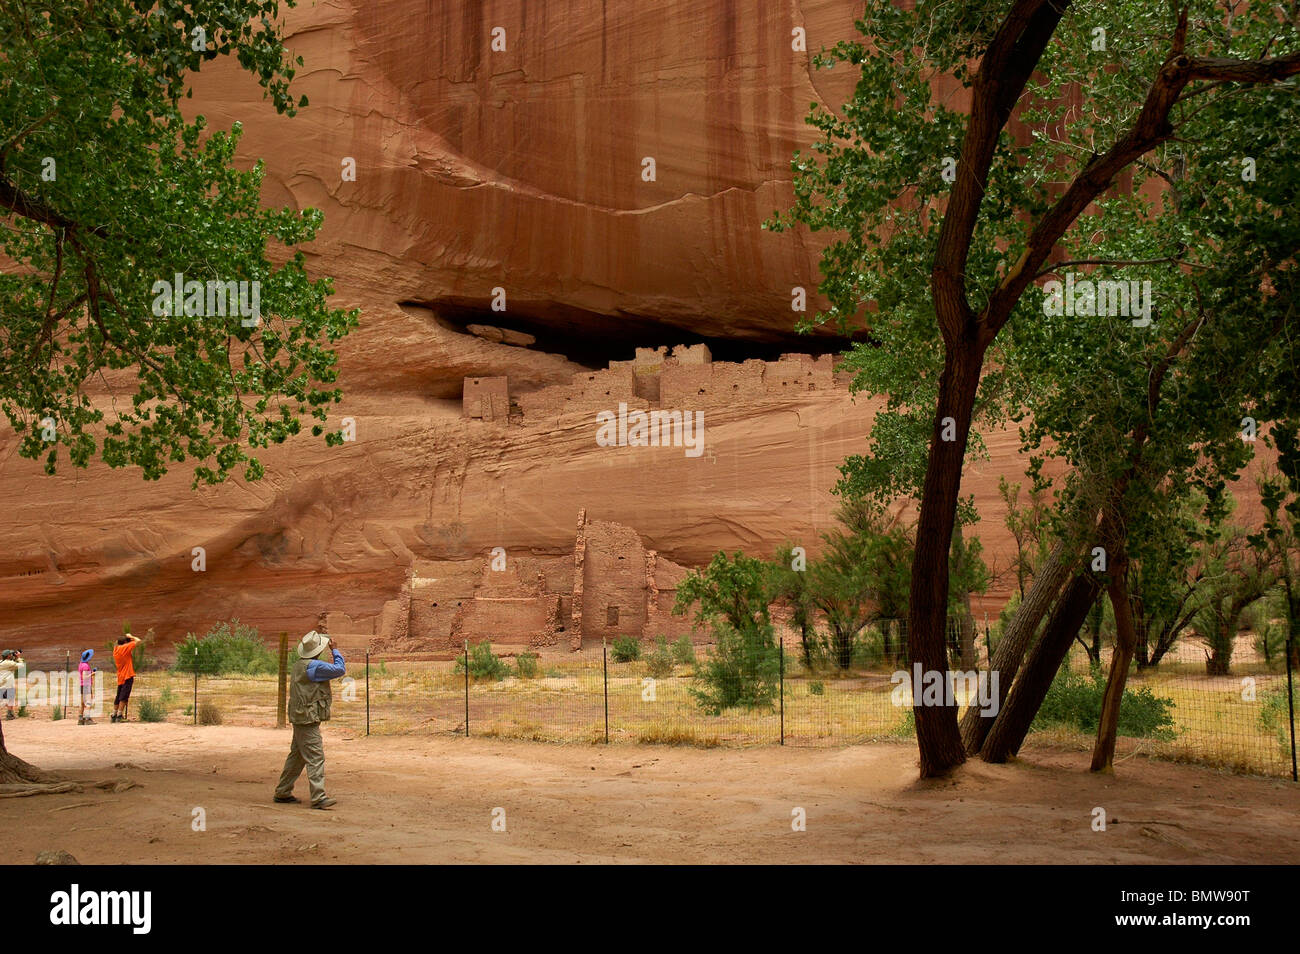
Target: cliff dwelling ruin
[(610, 583)]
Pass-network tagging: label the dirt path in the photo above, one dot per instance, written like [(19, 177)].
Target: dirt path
[(431, 799)]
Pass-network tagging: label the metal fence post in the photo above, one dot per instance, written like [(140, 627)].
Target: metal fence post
[(367, 691), (467, 688), (781, 649), (604, 666), (1290, 704), (195, 710), (282, 678)]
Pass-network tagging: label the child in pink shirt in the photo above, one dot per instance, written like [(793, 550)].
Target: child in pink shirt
[(87, 676)]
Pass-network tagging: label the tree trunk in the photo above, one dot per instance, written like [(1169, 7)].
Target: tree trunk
[(1015, 642), (843, 647), (14, 771), (968, 660), (1220, 658), (1013, 720), (1103, 753), (937, 735)]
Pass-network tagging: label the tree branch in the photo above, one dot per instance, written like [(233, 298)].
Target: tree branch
[(1149, 129)]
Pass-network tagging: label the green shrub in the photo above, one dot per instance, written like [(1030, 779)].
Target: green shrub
[(56, 713), (166, 696), (22, 712), (684, 651), (659, 663), (227, 648), (484, 665), (625, 649), (869, 647), (526, 665), (1074, 700), (742, 671), (816, 688), (151, 710), (1273, 716), (906, 728), (209, 714), (188, 710)]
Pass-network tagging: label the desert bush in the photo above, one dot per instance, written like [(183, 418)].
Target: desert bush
[(151, 710), (684, 651), (659, 662), (906, 727), (869, 647), (626, 649), (742, 671), (526, 665), (816, 688), (226, 648), (56, 713), (1074, 701), (1273, 715), (484, 665), (209, 714)]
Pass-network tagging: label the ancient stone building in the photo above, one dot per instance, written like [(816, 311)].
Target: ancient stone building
[(486, 398), (610, 585)]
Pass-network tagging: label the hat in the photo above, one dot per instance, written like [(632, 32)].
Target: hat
[(6, 654), (85, 657), (312, 645)]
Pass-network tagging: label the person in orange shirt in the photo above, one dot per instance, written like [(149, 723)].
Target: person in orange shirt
[(123, 658)]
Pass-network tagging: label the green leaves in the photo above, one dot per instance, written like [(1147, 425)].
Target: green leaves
[(107, 192), (1091, 392)]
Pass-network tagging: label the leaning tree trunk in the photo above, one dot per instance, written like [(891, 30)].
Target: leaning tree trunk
[(1015, 642), (937, 735), (1103, 753), (1013, 720)]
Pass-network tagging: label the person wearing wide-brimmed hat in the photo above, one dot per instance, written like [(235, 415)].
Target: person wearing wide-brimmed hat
[(11, 661), (309, 706)]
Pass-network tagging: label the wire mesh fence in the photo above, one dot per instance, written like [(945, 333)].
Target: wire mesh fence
[(797, 695)]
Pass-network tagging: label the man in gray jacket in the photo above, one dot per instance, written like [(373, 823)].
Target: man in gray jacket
[(309, 706)]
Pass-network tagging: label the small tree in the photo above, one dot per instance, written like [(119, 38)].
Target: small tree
[(789, 584), (733, 596)]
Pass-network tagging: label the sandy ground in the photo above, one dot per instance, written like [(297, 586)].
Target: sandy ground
[(416, 799)]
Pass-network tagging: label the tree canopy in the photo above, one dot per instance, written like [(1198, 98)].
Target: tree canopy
[(109, 198), (1151, 143)]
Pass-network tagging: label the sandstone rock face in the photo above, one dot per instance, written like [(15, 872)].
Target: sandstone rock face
[(502, 226), (524, 170)]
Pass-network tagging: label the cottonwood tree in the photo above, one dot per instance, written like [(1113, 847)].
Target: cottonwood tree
[(106, 190), (938, 192)]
